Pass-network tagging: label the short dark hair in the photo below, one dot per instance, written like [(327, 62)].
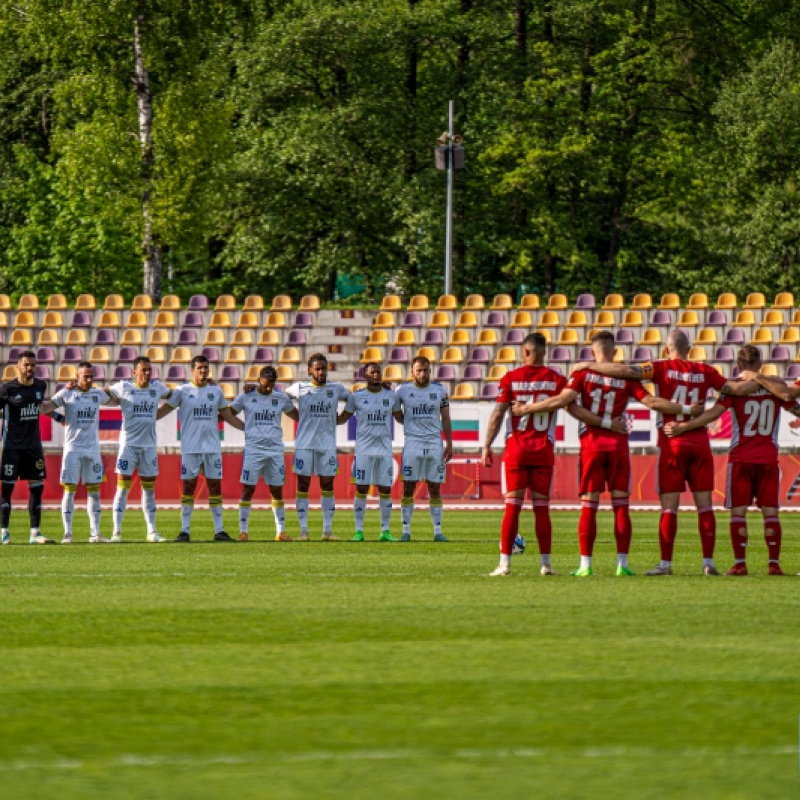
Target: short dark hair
[(199, 360), (84, 365), (140, 360), (535, 341), (268, 373), (314, 357), (26, 354), (749, 354), (606, 337), (371, 364), (424, 360)]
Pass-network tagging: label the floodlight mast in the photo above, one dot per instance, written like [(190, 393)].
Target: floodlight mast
[(448, 230)]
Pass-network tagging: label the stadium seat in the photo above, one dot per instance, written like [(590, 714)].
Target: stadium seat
[(72, 355), (106, 336), (371, 354), (489, 392), (445, 374), (488, 338), (496, 372), (10, 372), (522, 319), (393, 373), (228, 390), (605, 319), (773, 319), (3, 320), (170, 302), (642, 302), (166, 319), (378, 338), (56, 302), (642, 354), (698, 354), (560, 355), (717, 319), (25, 319), (613, 302), (453, 355), (734, 337), (109, 319), (463, 391), (590, 336), (65, 374), (220, 319), (399, 355), (391, 302), (253, 373), (303, 319), (249, 319), (45, 355), (412, 319), (132, 338), (495, 319), (467, 319), (142, 302), (501, 302), (784, 301), (225, 302), (43, 372), (624, 337), (780, 354), (21, 338), (480, 355), (514, 336), (447, 302), (557, 302), (176, 373), (28, 302), (269, 338), (419, 302), (137, 319), (275, 319), (156, 354), (236, 355), (254, 303), (403, 338), (698, 302), (770, 370), (309, 303), (568, 338), (706, 336), (76, 337), (264, 355), (670, 302), (790, 336), (577, 319), (727, 302), (633, 319), (474, 302), (215, 338), (529, 302), (661, 318), (99, 355), (187, 338), (506, 355), (242, 338), (5, 302), (792, 372), (181, 355), (619, 355), (285, 373), (744, 319), (198, 303), (114, 302), (434, 338), (460, 338), (127, 354), (281, 302), (548, 337), (211, 354), (762, 336), (49, 338), (53, 319), (585, 302), (427, 352), (688, 319), (439, 320), (297, 339), (384, 319), (755, 301), (472, 372)]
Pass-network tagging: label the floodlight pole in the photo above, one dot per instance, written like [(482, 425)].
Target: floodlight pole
[(448, 230)]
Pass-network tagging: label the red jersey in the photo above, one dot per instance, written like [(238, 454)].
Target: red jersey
[(685, 383), (608, 398), (755, 421), (532, 432)]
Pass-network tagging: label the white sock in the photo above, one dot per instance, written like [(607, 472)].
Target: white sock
[(665, 564), (120, 504), (4, 531), (359, 510), (279, 512), (406, 512), (586, 562), (93, 510), (545, 558), (187, 509), (35, 532), (216, 515), (67, 511), (708, 562), (505, 561), (244, 515), (328, 509), (301, 506), (386, 512), (622, 559), (149, 508), (436, 516)]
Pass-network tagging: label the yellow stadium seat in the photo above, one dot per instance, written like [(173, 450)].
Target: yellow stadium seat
[(651, 337), (309, 303), (242, 338), (289, 355), (774, 318), (419, 302), (460, 338), (3, 320), (132, 338), (371, 354), (633, 319), (285, 373), (619, 355), (706, 336), (28, 302), (228, 390), (404, 338), (391, 302), (474, 302), (698, 354), (378, 338), (99, 355), (529, 302), (66, 373), (439, 320), (56, 302), (215, 338), (109, 319), (156, 354), (496, 372), (5, 302), (605, 319), (253, 302), (248, 319), (506, 355), (577, 319), (613, 302), (642, 302), (137, 319), (269, 339), (502, 302), (670, 302), (181, 355), (21, 338), (557, 302), (49, 338), (253, 374), (25, 319), (393, 373), (357, 387), (236, 355), (770, 370), (744, 319), (220, 319), (165, 319), (688, 319), (790, 336), (53, 319), (726, 301), (160, 338), (427, 352), (76, 337), (762, 336), (384, 319), (170, 302), (447, 302), (281, 302), (548, 337), (522, 319), (114, 302), (698, 302), (453, 355), (722, 369), (275, 319), (590, 335), (225, 302), (463, 391), (569, 338), (487, 338), (467, 319), (142, 302), (755, 300), (784, 301)]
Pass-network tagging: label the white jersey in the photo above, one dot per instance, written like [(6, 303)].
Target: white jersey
[(82, 412), (373, 412), (318, 407), (422, 410), (139, 407), (262, 419), (198, 407)]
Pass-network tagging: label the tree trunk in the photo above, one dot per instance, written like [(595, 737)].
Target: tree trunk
[(151, 251)]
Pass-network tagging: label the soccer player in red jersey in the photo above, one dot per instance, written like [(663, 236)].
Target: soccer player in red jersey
[(753, 471), (605, 456), (529, 456), (686, 459)]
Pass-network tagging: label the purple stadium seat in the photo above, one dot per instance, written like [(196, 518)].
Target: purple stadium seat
[(281, 387), (297, 339), (43, 372), (716, 319), (489, 391), (99, 373), (495, 319), (792, 372), (780, 354), (433, 338), (735, 336), (642, 354), (193, 320), (585, 354), (176, 373), (661, 319), (106, 337), (358, 375), (560, 355), (399, 355), (624, 336), (472, 372), (127, 354), (303, 320), (413, 319), (557, 369), (514, 336), (735, 372), (264, 355), (446, 372), (155, 372), (72, 355), (187, 339), (198, 302), (230, 373), (122, 372), (724, 354), (212, 354), (480, 355), (46, 355), (586, 302), (81, 319)]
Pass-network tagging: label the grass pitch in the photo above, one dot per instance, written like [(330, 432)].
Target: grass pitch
[(344, 670)]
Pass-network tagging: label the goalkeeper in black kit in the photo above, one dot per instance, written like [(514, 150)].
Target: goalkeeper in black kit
[(23, 456)]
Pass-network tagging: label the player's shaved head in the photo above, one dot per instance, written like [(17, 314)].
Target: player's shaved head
[(535, 342), (678, 341), (749, 357), (604, 340)]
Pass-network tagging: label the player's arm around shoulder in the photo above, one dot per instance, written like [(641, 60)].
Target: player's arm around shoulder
[(673, 429), (349, 408), (172, 402), (566, 398)]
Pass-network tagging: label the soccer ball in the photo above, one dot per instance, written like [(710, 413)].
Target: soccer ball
[(519, 545)]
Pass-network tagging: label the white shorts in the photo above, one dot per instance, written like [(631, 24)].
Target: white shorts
[(372, 471), (145, 459), (315, 462), (268, 466), (192, 464), (79, 466), (423, 462)]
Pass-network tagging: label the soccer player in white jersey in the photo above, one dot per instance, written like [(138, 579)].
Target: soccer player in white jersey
[(315, 445), (81, 458), (373, 464), (200, 404), (263, 448), (426, 414), (138, 399)]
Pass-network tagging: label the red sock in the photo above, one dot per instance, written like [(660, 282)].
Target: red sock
[(739, 536), (510, 526), (773, 533), (667, 531), (623, 530), (707, 525), (544, 528), (587, 526)]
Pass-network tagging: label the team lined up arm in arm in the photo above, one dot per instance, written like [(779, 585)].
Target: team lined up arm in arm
[(567, 399), (231, 418), (774, 385)]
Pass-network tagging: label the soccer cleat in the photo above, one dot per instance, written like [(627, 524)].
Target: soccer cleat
[(738, 569), (329, 536), (183, 536), (116, 538), (659, 570), (624, 570), (155, 536), (546, 569), (710, 570), (440, 537), (283, 537), (221, 536), (386, 536), (358, 536), (67, 539), (98, 540), (304, 536), (774, 569), (5, 538), (406, 537), (582, 572), (243, 537), (499, 571), (39, 539)]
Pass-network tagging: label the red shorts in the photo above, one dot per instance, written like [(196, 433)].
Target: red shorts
[(748, 482), (685, 465), (603, 468), (528, 470)]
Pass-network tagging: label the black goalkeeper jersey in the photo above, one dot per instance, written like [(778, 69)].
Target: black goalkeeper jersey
[(20, 406)]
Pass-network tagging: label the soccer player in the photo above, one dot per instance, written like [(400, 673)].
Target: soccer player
[(200, 404), (81, 459), (683, 460), (315, 445), (426, 416), (263, 448), (529, 454), (23, 456), (373, 464), (753, 471), (605, 457), (139, 401)]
